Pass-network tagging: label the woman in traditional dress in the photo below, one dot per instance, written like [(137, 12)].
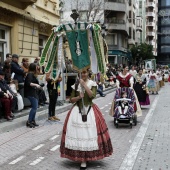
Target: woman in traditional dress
[(166, 73), (141, 88), (85, 140), (125, 79), (152, 85)]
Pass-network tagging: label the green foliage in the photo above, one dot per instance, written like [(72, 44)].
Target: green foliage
[(142, 51)]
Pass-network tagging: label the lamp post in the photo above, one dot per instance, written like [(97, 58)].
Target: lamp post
[(74, 15), (104, 30)]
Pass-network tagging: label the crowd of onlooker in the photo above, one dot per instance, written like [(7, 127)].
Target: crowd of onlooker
[(12, 77), (13, 74)]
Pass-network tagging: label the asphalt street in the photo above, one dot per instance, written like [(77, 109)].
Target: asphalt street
[(38, 149)]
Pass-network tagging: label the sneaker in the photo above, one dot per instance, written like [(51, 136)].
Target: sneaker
[(51, 118), (56, 118)]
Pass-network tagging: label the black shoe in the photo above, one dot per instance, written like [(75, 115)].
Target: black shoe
[(34, 123), (30, 125), (83, 168)]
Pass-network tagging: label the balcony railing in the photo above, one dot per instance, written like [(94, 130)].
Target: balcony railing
[(115, 21), (117, 1), (150, 4), (150, 14)]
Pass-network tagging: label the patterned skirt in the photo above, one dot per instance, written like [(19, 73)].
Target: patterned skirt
[(103, 139)]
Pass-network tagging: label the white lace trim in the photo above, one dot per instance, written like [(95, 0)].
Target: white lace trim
[(82, 148), (90, 84), (82, 125)]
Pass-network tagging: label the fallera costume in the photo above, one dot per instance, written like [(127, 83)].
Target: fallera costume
[(141, 89), (126, 81), (85, 141)]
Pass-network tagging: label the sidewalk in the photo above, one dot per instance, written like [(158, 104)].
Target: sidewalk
[(150, 149), (21, 117)]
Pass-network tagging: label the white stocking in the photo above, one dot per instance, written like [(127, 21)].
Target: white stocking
[(120, 109)]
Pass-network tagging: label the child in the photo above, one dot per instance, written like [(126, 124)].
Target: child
[(123, 103)]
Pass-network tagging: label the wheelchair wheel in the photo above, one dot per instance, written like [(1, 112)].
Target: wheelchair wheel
[(135, 120)]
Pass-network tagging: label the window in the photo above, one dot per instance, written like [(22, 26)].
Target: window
[(130, 16), (130, 33), (42, 41), (4, 42), (2, 34), (111, 39), (134, 34)]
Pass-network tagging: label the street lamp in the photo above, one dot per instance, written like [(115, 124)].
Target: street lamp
[(104, 30), (74, 15)]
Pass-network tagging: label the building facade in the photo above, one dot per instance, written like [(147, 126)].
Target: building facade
[(117, 24), (25, 26), (135, 23), (151, 24), (142, 14), (163, 32)]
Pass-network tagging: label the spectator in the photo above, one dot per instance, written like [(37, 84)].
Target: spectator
[(100, 89), (15, 68), (53, 95), (25, 64), (8, 57), (6, 98), (30, 91), (14, 88), (7, 71), (5, 88)]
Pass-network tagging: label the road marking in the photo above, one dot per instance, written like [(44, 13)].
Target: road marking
[(131, 156), (38, 147), (38, 160), (54, 137), (55, 148), (106, 111), (102, 108), (106, 105), (110, 103), (16, 160)]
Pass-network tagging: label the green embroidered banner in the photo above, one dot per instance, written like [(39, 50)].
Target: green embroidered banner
[(96, 29), (79, 46), (44, 53), (52, 56)]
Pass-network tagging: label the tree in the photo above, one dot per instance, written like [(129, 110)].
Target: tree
[(89, 10), (142, 52)]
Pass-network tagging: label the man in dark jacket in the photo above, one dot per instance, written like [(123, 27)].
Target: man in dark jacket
[(16, 68)]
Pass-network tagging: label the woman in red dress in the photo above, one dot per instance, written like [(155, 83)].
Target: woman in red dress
[(125, 79), (85, 140)]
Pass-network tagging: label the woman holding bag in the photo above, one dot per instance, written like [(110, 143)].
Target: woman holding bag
[(85, 134)]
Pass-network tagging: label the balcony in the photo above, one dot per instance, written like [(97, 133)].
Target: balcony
[(150, 24), (150, 14), (117, 24), (150, 4), (151, 33), (153, 43), (21, 4), (116, 5)]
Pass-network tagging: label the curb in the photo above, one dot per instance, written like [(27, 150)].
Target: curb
[(21, 118)]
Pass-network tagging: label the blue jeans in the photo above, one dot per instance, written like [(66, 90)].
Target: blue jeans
[(34, 106)]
